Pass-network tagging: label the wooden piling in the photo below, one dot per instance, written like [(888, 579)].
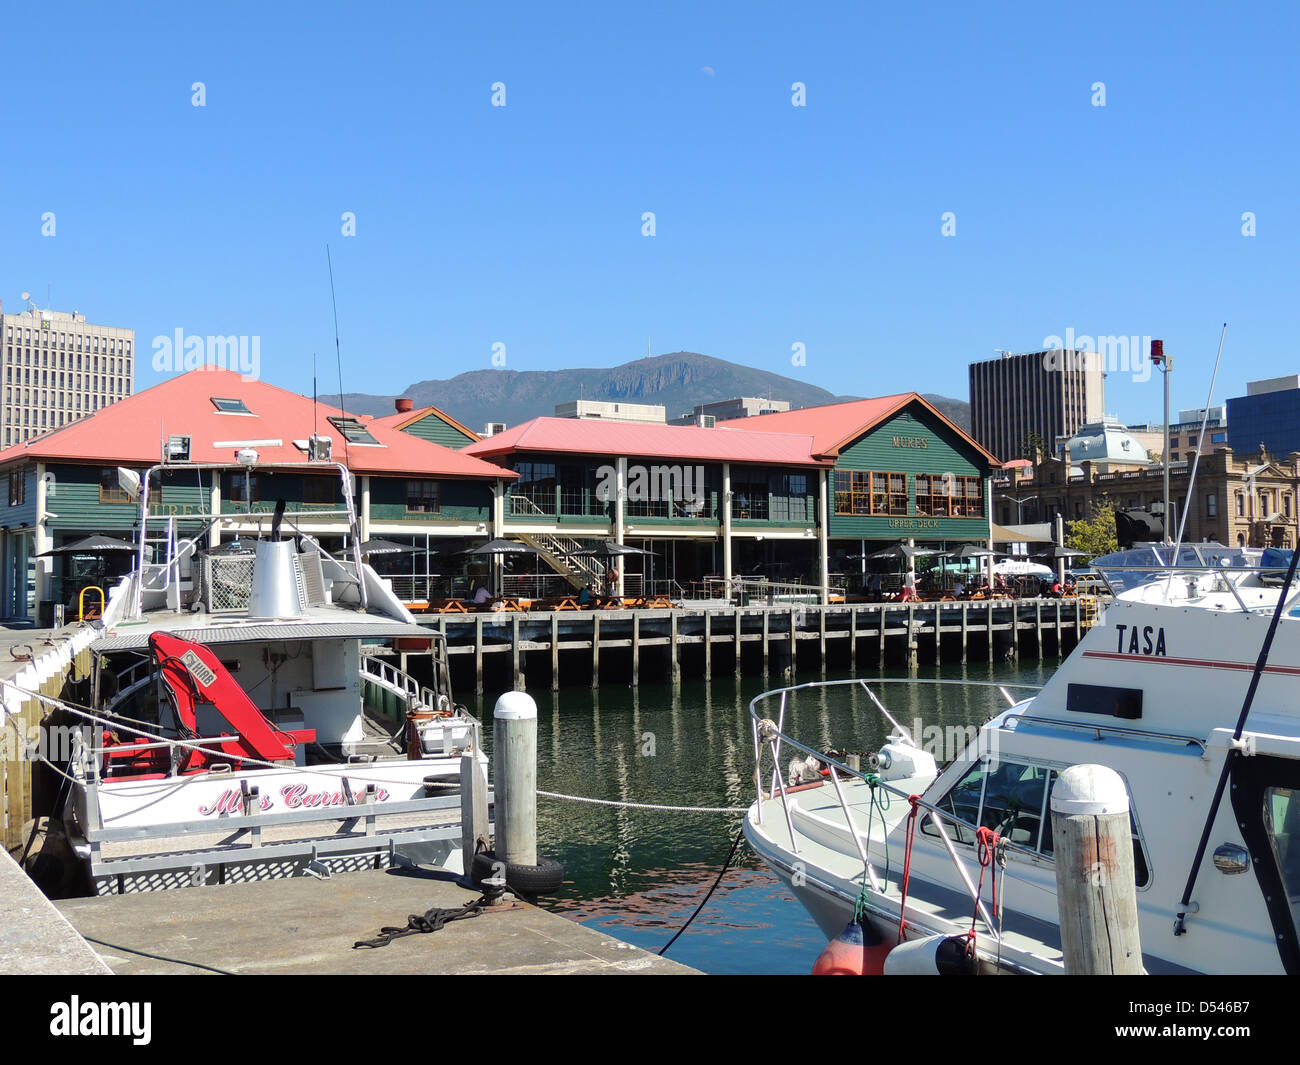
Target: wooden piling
[(674, 664), (767, 617), (821, 636), (1038, 626), (595, 651), (740, 644), (882, 634), (965, 618), (1095, 882), (636, 649), (516, 672), (1058, 628), (853, 638), (708, 645), (555, 653), (478, 655), (938, 632), (473, 809), (988, 622)]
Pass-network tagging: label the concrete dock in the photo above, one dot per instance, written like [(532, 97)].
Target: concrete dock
[(35, 938), (308, 926)]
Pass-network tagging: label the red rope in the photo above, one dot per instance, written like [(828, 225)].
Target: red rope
[(986, 841), (909, 839)]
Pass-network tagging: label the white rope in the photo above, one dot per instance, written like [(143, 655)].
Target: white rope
[(645, 805)]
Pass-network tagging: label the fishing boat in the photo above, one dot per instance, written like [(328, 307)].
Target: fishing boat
[(1156, 690), (259, 708)]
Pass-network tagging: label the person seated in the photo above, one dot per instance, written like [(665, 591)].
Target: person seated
[(959, 590), (585, 596), (482, 595), (1055, 591)]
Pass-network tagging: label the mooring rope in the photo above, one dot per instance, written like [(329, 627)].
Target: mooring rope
[(645, 805)]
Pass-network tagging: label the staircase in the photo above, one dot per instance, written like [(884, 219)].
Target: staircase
[(579, 572)]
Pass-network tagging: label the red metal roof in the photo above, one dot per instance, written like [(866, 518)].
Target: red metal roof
[(836, 425), (131, 431), (583, 436)]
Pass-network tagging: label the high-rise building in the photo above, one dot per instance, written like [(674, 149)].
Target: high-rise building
[(1039, 395), (57, 368), (1268, 415)]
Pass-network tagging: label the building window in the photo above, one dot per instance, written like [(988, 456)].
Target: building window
[(110, 491), (934, 496), (422, 497), (17, 487), (318, 491), (230, 406), (1241, 505), (353, 431), (244, 488), (852, 492), (1212, 505)]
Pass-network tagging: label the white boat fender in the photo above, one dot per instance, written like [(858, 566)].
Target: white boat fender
[(931, 956)]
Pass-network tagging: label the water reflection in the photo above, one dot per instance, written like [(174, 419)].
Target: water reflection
[(638, 874)]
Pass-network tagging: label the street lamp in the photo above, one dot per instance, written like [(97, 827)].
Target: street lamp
[(1018, 502), (1161, 360)]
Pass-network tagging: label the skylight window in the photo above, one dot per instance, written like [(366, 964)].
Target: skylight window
[(353, 431), (230, 406)]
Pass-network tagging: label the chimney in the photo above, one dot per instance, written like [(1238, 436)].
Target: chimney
[(404, 406)]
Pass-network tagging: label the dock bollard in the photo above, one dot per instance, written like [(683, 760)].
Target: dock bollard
[(1095, 883), (514, 769)]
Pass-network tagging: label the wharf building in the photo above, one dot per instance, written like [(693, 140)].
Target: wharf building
[(799, 496)]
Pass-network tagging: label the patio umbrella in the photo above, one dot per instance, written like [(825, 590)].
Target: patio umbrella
[(901, 551), (972, 551), (386, 547), (500, 547), (607, 549), (92, 545)]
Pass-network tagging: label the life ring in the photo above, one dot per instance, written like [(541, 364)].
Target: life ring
[(442, 706), (544, 878)]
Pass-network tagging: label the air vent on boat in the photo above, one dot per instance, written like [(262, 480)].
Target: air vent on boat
[(313, 577), (279, 590)]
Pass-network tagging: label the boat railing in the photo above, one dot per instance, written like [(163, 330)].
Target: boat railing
[(415, 695), (769, 735)]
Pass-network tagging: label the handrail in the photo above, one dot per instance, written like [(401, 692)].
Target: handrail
[(1089, 726), (772, 734)]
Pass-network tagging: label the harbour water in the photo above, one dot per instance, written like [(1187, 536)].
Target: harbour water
[(638, 875)]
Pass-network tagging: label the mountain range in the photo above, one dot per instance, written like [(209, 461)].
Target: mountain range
[(677, 381)]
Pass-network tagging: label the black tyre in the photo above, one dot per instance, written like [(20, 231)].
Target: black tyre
[(544, 878)]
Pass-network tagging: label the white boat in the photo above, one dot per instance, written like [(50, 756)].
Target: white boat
[(261, 709), (1154, 691)]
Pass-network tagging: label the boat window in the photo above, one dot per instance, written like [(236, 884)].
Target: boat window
[(1008, 797), (1141, 873), (1282, 823), (1014, 799)]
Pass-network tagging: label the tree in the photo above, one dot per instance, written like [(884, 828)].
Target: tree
[(1096, 535)]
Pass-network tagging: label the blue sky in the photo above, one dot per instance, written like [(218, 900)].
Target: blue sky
[(775, 225)]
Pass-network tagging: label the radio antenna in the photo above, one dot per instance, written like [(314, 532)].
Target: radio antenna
[(347, 453)]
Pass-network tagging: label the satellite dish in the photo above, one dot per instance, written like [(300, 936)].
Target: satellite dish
[(129, 481)]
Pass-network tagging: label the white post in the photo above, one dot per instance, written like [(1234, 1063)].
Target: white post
[(41, 541), (619, 515), (823, 533), (1095, 886), (1060, 540), (514, 768), (363, 519), (726, 528), (214, 505)]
